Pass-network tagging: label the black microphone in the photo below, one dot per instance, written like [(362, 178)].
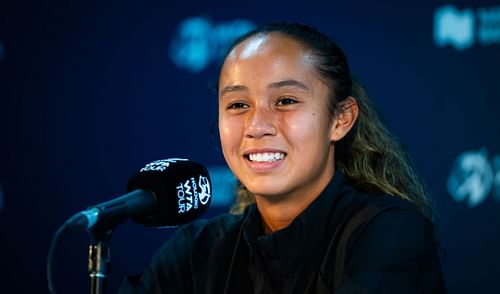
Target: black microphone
[(164, 193)]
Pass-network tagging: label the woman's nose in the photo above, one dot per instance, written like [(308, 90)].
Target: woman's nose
[(260, 122)]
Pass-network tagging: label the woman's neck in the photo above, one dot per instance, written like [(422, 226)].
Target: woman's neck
[(279, 212), (278, 216)]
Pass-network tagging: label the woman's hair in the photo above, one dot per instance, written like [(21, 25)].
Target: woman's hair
[(368, 155)]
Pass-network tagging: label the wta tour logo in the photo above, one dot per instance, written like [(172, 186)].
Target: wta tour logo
[(191, 193), (463, 28), (474, 177), (198, 43)]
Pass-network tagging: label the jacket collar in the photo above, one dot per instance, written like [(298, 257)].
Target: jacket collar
[(294, 245)]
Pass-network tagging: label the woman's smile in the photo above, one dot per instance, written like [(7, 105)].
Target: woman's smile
[(263, 160)]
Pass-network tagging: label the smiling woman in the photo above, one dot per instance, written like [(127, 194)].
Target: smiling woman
[(273, 101), (327, 201)]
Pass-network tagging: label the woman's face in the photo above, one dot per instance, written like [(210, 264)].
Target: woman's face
[(274, 125)]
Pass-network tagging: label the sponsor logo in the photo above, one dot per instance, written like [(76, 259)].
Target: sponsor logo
[(204, 185), (198, 43), (463, 28), (474, 177), (489, 25), (454, 27), (160, 165), (190, 193)]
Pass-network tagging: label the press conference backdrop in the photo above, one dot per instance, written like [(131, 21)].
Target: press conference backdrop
[(93, 90)]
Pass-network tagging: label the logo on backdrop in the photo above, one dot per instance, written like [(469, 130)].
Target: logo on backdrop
[(474, 177), (198, 43), (463, 28), (188, 194)]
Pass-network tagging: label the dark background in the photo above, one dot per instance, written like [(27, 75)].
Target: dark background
[(90, 91)]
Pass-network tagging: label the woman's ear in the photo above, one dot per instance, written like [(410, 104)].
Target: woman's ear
[(344, 118)]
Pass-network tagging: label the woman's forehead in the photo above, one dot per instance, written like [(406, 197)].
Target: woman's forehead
[(263, 44), (264, 60), (249, 47)]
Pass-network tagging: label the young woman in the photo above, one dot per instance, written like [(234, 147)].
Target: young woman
[(327, 203)]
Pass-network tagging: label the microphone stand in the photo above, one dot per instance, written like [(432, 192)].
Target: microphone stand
[(98, 267), (99, 264)]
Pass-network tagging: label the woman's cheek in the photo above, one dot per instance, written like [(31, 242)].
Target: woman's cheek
[(230, 134)]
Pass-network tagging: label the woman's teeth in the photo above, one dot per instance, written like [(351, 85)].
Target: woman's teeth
[(266, 157)]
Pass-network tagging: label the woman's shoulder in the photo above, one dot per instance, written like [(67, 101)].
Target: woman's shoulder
[(394, 216), (397, 244), (354, 197), (386, 222), (394, 226)]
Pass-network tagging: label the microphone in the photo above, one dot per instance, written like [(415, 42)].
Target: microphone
[(164, 193)]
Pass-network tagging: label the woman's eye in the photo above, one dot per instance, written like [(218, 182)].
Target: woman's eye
[(286, 101), (237, 105)]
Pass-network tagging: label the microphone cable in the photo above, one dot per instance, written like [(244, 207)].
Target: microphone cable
[(50, 257)]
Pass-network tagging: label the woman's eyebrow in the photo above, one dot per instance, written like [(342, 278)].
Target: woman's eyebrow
[(235, 88), (288, 83), (275, 85)]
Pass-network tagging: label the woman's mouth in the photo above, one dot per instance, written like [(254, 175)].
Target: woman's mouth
[(265, 156)]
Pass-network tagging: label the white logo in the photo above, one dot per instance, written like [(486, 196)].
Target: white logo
[(473, 177), (190, 194), (187, 196), (205, 190), (160, 165), (198, 42), (454, 27)]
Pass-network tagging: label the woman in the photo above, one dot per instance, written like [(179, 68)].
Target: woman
[(328, 202)]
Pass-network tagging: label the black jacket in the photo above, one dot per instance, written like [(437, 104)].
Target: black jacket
[(346, 241)]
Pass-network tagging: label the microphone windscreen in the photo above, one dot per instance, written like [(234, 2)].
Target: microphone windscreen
[(182, 189)]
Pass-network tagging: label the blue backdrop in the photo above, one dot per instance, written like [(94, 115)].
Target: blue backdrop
[(91, 91)]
